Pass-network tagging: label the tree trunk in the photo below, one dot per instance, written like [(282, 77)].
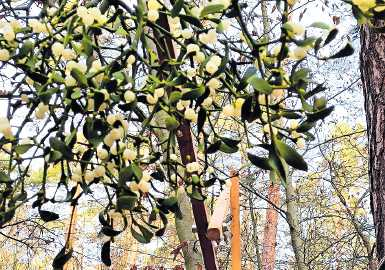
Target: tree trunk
[(71, 232), (373, 80), (292, 220), (192, 258), (255, 235), (187, 154), (270, 230), (235, 223)]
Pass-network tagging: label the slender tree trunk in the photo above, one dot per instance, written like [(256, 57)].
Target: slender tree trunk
[(373, 81), (270, 229), (71, 231), (235, 223), (255, 235), (292, 220), (192, 258), (187, 153)]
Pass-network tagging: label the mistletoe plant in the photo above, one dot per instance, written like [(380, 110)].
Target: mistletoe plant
[(96, 84)]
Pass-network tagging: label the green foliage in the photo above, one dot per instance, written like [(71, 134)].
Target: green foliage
[(94, 102)]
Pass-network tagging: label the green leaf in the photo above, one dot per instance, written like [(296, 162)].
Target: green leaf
[(191, 19), (37, 77), (249, 113), (290, 115), (290, 155), (228, 149), (141, 238), (126, 202), (87, 45), (195, 194), (55, 156), (213, 147), (105, 253), (331, 36), (71, 138), (164, 219), (109, 231), (79, 77), (211, 9), (260, 85), (250, 71), (61, 258), (48, 216), (22, 148), (171, 122), (20, 196), (300, 75), (260, 162), (346, 51), (137, 171), (61, 147), (312, 117), (4, 178), (288, 27), (193, 93), (128, 173), (202, 115), (318, 89), (174, 97), (177, 8), (320, 25), (277, 165), (76, 94), (230, 142), (45, 96), (170, 201), (99, 98), (306, 42), (147, 234), (26, 48), (305, 126)]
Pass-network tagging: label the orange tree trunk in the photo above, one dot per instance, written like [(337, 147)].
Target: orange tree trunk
[(235, 223), (270, 230)]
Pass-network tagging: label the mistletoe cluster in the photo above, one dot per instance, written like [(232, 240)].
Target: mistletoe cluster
[(112, 91)]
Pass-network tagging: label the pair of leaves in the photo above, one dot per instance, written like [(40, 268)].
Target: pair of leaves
[(130, 173), (60, 146), (144, 236), (225, 145), (279, 151)]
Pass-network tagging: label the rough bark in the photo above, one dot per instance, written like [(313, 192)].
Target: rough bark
[(373, 79), (270, 229)]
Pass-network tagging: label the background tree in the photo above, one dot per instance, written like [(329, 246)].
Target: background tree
[(215, 85)]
